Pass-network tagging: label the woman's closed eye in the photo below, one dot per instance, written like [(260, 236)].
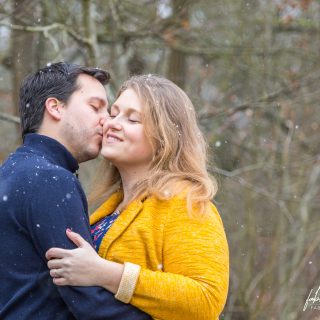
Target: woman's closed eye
[(113, 114), (134, 120)]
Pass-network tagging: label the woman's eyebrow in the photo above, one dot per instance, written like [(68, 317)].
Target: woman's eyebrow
[(114, 106), (127, 109)]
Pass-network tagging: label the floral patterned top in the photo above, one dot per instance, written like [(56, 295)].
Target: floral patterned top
[(99, 229)]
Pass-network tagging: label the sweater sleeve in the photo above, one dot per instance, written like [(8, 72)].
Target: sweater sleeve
[(194, 281), (58, 203)]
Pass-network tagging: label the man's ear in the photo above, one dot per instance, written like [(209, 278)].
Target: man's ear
[(53, 107)]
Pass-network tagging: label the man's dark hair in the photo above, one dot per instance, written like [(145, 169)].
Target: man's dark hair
[(58, 80)]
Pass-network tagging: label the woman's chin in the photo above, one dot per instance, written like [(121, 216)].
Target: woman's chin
[(108, 156), (105, 152)]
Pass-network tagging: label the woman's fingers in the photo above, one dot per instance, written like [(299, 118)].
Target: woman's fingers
[(60, 282), (54, 273), (75, 266), (57, 253), (76, 238), (59, 278), (68, 267), (55, 264)]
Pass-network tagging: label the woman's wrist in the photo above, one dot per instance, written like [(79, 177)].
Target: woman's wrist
[(109, 274)]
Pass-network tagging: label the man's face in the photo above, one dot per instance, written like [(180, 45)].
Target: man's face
[(83, 117)]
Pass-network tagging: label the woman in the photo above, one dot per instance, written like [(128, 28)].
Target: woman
[(166, 251)]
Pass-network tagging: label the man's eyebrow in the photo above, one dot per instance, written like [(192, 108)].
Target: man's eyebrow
[(99, 100)]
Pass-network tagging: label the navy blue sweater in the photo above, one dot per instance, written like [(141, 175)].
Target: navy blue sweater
[(39, 199)]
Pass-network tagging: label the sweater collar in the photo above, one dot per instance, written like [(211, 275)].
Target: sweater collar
[(52, 150)]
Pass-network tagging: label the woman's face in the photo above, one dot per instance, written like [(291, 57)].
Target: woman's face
[(125, 143)]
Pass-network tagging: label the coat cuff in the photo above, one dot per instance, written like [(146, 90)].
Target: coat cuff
[(128, 282)]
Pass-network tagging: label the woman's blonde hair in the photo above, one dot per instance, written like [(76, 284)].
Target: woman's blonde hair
[(179, 162)]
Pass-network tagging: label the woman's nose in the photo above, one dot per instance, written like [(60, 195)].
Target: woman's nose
[(111, 123)]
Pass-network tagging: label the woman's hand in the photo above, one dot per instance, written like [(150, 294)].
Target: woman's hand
[(83, 266), (77, 267)]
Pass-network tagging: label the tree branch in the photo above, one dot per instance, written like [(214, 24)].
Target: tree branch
[(258, 190), (9, 118), (271, 97), (46, 29)]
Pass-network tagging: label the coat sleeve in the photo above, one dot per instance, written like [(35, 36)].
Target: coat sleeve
[(57, 202), (194, 281)]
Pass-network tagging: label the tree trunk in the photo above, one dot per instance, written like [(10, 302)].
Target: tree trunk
[(23, 48), (177, 67)]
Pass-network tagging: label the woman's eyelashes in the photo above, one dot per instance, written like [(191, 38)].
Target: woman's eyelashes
[(132, 118)]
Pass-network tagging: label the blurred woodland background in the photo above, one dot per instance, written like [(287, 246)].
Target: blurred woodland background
[(252, 70)]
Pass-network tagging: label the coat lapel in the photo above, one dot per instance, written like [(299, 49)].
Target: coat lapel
[(119, 226), (106, 208)]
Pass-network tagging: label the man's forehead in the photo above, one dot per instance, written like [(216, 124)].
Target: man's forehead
[(91, 86), (85, 78)]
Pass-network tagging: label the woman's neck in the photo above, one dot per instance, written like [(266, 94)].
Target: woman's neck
[(129, 177)]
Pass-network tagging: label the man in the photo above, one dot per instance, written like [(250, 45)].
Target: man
[(62, 109)]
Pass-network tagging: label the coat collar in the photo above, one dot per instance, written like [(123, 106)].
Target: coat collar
[(50, 149)]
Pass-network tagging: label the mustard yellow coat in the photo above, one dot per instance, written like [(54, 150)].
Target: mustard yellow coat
[(184, 260)]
